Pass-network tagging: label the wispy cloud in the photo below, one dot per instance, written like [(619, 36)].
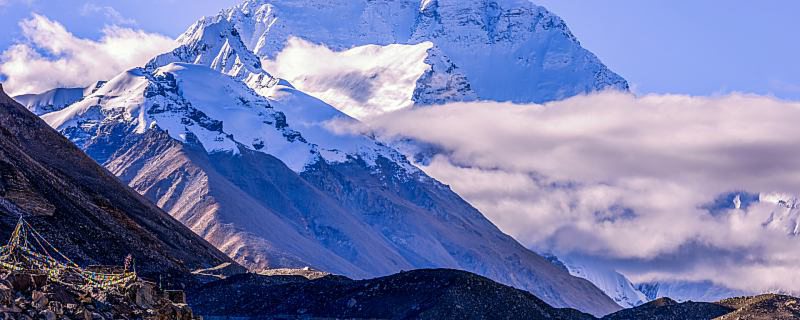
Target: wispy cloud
[(626, 179), (50, 56), (113, 16)]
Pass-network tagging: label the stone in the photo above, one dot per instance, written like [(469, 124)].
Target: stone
[(144, 295), (176, 296), (6, 295), (48, 315), (56, 307), (40, 300), (21, 282)]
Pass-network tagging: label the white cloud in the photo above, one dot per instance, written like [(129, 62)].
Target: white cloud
[(52, 57), (624, 179), (362, 81), (109, 12)]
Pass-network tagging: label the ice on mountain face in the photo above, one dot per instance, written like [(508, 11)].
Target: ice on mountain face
[(200, 144), (218, 46), (55, 99), (364, 211), (786, 215), (682, 291), (195, 104), (491, 50), (611, 282)]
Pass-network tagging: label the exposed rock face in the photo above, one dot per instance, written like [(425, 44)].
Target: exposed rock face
[(419, 294), (266, 181), (505, 50), (84, 210)]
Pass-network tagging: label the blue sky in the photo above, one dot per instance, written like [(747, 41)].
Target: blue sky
[(168, 17), (694, 47), (660, 46)]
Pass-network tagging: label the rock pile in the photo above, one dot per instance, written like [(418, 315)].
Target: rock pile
[(33, 296)]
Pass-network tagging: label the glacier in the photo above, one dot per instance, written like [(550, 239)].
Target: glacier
[(55, 99), (509, 50)]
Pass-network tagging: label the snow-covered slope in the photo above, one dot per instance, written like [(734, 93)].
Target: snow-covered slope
[(218, 46), (372, 79), (266, 181), (508, 50), (55, 99), (613, 283), (681, 291)]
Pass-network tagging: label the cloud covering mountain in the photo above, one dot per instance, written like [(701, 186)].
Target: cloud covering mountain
[(50, 56), (647, 184)]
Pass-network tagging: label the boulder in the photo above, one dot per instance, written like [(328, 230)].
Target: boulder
[(47, 315), (40, 300), (176, 296)]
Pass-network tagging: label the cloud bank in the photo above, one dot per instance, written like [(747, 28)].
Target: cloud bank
[(50, 56), (630, 181), (361, 81)]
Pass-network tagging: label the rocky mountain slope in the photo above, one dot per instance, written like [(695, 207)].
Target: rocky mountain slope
[(258, 168), (505, 50), (767, 306), (269, 183), (84, 210)]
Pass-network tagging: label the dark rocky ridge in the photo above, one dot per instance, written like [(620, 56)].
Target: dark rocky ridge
[(439, 294), (761, 307), (418, 294), (668, 309), (84, 210)]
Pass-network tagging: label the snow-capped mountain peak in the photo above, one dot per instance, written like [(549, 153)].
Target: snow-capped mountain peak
[(250, 162), (55, 99), (509, 50), (217, 44), (196, 104)]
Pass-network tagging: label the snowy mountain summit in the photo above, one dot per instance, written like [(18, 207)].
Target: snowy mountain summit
[(370, 57), (231, 132), (250, 163)]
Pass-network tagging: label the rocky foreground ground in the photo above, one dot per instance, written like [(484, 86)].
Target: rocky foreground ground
[(33, 296)]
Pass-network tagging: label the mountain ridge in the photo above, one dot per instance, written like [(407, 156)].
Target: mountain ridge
[(368, 206), (83, 209), (501, 50)]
